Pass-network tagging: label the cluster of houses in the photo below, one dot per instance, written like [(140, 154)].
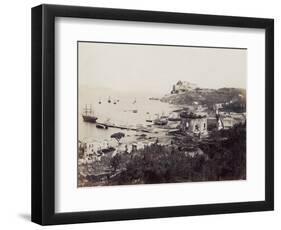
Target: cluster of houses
[(95, 158), (196, 123), (95, 151), (200, 123)]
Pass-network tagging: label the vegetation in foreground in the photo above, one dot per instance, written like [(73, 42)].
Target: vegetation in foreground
[(222, 157)]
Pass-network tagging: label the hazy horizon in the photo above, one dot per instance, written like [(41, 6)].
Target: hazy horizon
[(154, 69)]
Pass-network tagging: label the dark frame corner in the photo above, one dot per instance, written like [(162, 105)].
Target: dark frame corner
[(43, 121)]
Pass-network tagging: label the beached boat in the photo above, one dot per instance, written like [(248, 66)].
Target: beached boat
[(174, 119), (101, 126)]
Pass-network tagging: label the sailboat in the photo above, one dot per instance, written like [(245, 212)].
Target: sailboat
[(148, 119), (161, 120), (88, 115)]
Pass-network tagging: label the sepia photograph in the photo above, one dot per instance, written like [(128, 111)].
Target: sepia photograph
[(140, 114), (151, 113)]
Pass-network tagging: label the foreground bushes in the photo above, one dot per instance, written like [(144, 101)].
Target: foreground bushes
[(223, 158)]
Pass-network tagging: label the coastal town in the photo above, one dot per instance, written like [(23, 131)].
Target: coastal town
[(203, 138)]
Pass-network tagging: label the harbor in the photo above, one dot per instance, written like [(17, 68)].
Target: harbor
[(115, 127), (150, 114)]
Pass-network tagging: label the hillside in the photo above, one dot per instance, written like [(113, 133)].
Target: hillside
[(234, 97)]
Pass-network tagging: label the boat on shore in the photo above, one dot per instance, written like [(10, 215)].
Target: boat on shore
[(174, 119), (101, 126)]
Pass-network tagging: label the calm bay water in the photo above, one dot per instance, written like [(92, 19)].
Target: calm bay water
[(122, 114)]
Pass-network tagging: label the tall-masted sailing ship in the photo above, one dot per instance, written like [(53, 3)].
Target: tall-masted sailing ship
[(88, 115)]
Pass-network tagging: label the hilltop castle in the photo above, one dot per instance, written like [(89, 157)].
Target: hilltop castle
[(183, 86)]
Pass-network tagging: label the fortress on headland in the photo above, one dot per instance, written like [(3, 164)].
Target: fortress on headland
[(183, 86)]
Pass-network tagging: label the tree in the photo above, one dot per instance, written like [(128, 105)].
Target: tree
[(115, 161), (118, 136)]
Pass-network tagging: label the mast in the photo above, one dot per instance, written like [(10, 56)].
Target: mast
[(88, 110)]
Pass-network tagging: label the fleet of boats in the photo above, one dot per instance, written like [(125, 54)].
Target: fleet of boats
[(88, 115)]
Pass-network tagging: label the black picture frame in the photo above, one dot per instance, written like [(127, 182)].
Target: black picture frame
[(43, 113)]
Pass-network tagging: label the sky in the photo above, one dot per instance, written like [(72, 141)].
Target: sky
[(150, 68)]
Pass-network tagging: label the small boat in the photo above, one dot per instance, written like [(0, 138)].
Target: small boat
[(101, 126), (154, 99), (134, 102), (160, 121), (174, 131), (114, 102), (109, 100), (148, 119), (99, 101), (134, 110), (88, 115), (174, 119)]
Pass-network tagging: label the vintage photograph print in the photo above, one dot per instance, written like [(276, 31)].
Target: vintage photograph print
[(150, 113)]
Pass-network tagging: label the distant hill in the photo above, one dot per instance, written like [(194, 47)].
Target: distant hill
[(235, 98)]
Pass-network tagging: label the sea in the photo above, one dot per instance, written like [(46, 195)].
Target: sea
[(127, 110)]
